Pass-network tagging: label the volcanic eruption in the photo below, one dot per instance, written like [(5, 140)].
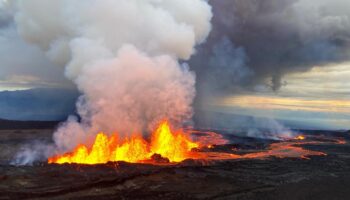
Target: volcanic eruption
[(127, 70), (137, 90), (163, 105), (172, 146)]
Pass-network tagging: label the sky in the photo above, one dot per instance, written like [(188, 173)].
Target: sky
[(319, 98), (325, 106), (287, 60)]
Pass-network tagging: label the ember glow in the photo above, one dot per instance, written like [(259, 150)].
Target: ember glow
[(300, 137), (174, 146)]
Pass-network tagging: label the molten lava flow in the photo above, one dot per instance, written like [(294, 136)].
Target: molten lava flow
[(208, 138), (166, 145), (286, 150), (174, 146), (300, 137)]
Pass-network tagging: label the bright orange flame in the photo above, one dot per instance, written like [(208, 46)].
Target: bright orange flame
[(174, 146), (166, 145), (300, 137)]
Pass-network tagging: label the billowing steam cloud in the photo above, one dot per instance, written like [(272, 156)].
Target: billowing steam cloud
[(122, 54), (271, 38)]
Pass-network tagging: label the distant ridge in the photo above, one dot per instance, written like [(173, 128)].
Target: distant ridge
[(12, 124), (39, 104)]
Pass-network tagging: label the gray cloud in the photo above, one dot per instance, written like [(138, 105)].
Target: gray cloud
[(272, 38), (5, 17), (23, 65)]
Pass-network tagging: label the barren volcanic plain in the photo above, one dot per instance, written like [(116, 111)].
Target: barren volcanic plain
[(318, 177)]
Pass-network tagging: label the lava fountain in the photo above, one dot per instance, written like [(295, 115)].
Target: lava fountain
[(174, 146), (128, 59), (168, 146)]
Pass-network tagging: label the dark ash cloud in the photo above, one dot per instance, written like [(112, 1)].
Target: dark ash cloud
[(269, 39)]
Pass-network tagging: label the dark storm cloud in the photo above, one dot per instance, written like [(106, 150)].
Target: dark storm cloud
[(266, 39)]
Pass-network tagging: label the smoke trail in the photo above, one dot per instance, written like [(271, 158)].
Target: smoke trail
[(122, 55)]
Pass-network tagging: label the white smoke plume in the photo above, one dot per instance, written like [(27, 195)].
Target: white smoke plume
[(32, 152), (268, 128), (123, 56)]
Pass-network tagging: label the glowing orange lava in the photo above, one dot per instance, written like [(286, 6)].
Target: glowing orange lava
[(300, 137), (286, 150), (175, 146), (166, 146)]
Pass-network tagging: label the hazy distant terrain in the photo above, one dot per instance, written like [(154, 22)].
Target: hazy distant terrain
[(37, 104)]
